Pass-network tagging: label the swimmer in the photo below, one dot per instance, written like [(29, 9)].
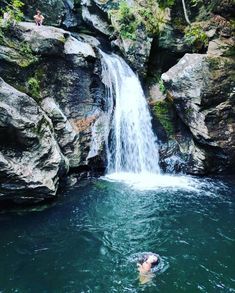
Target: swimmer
[(145, 273)]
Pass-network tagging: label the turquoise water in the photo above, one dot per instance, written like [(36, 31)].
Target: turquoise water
[(87, 241)]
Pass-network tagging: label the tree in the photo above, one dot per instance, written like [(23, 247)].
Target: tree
[(13, 8), (185, 12)]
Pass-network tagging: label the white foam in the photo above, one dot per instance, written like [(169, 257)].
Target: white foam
[(151, 181)]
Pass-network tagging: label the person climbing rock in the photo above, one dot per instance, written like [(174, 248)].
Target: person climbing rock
[(145, 268), (38, 18)]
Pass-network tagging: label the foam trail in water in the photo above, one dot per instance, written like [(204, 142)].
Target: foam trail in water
[(150, 181)]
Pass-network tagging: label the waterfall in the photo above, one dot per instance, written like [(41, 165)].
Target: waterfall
[(132, 144)]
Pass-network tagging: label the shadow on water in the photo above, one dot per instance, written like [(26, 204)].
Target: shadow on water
[(88, 240)]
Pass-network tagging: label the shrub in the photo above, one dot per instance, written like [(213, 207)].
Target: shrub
[(153, 17), (13, 8), (126, 19), (194, 35)]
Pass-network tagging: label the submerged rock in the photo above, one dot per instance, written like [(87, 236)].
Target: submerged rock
[(31, 162)]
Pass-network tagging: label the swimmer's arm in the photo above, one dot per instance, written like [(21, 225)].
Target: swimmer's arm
[(140, 268)]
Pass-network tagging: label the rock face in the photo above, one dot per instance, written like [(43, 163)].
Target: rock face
[(56, 12), (96, 17), (63, 79), (31, 162), (136, 52), (202, 89)]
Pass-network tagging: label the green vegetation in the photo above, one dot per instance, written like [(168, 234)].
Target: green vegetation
[(166, 3), (127, 19), (195, 36), (14, 10), (7, 37), (23, 49), (27, 54), (33, 88), (153, 15), (161, 86), (162, 110)]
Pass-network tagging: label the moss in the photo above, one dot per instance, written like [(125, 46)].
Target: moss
[(40, 73), (162, 110), (26, 56), (62, 39), (20, 88), (33, 87)]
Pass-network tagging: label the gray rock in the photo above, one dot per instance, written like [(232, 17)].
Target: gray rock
[(221, 47), (95, 17), (202, 89), (31, 162), (136, 52), (65, 135), (44, 40), (56, 12), (48, 40), (71, 90)]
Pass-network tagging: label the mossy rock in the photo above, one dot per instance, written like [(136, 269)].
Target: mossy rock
[(163, 112)]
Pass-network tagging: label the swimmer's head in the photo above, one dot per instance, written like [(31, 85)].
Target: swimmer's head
[(152, 259)]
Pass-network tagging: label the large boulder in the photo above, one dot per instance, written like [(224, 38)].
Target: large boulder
[(31, 162), (137, 51), (202, 89), (96, 17), (65, 80)]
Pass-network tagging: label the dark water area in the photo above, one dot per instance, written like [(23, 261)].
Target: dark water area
[(88, 240)]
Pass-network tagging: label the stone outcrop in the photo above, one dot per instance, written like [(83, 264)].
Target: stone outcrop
[(137, 51), (31, 162), (96, 17), (63, 77), (202, 90)]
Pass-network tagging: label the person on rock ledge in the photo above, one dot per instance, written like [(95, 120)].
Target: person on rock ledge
[(38, 18)]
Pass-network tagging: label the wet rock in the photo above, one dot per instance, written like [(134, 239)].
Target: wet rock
[(65, 135), (201, 87), (172, 39), (66, 82), (31, 162), (136, 52)]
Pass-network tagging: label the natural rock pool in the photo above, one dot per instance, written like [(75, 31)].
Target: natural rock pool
[(86, 241)]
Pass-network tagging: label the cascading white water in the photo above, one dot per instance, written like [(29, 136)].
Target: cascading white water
[(133, 147)]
